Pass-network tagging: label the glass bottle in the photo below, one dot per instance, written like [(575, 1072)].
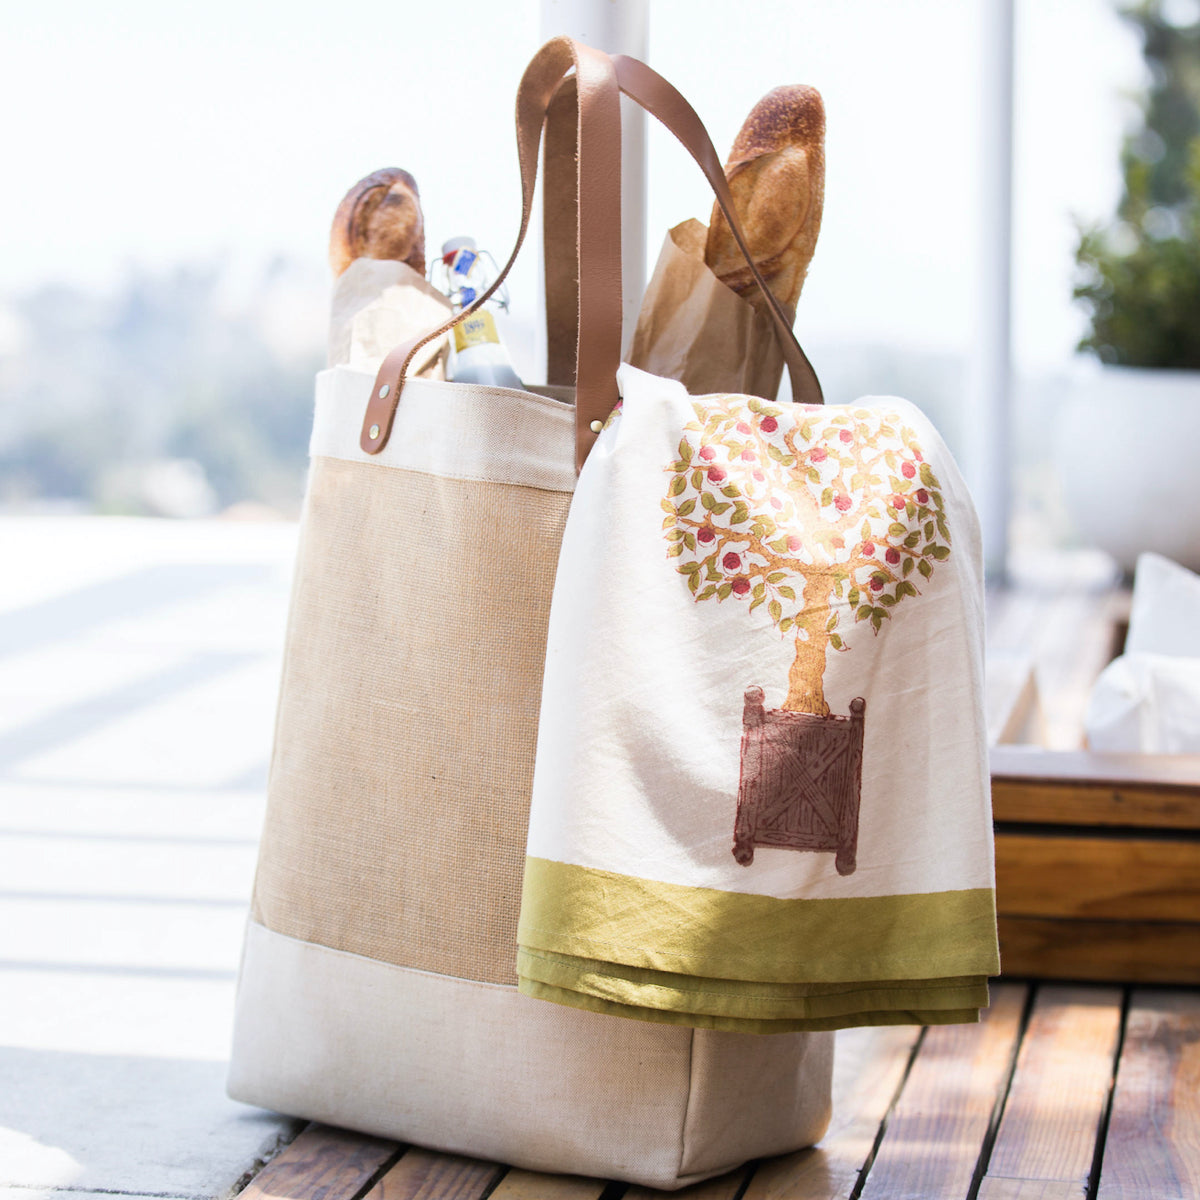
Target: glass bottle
[(477, 355)]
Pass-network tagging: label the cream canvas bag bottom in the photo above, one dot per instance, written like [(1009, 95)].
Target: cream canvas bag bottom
[(378, 988)]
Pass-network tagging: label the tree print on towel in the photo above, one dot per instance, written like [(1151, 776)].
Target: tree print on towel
[(822, 519)]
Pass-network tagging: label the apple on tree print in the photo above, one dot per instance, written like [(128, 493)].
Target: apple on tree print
[(811, 514)]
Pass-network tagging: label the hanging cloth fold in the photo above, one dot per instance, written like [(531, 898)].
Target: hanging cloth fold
[(761, 797)]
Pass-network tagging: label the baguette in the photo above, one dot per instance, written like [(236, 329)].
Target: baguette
[(379, 217), (776, 172)]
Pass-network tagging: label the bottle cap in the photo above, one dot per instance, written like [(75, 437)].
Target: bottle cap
[(454, 245)]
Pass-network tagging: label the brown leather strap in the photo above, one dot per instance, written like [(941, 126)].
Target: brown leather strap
[(598, 132), (660, 98), (657, 96), (560, 233), (598, 189)]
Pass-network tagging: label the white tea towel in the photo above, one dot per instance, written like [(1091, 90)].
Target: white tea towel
[(761, 797)]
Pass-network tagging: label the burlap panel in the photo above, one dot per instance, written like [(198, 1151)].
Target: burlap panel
[(399, 790)]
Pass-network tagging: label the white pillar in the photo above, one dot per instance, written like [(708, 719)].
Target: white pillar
[(616, 27), (989, 436)]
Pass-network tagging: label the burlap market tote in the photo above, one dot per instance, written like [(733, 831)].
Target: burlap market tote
[(378, 986)]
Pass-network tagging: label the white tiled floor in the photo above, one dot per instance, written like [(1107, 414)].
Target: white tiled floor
[(138, 667)]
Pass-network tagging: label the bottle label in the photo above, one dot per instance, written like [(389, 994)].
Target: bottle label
[(477, 330)]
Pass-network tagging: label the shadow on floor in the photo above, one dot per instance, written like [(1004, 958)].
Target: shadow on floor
[(148, 1126)]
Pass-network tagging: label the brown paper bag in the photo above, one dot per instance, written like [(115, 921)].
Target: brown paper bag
[(695, 329), (377, 304)]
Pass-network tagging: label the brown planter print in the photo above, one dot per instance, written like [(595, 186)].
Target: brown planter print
[(801, 781), (812, 514)]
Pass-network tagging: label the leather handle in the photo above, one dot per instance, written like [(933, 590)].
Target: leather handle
[(663, 101), (598, 132), (598, 80), (657, 96), (560, 232)]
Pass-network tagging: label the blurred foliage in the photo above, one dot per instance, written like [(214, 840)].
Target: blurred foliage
[(97, 388), (1139, 276)]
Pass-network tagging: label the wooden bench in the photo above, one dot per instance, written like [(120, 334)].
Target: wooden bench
[(1019, 1107), (1098, 865), (1097, 855)]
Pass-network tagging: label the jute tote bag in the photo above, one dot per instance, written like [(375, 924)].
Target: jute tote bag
[(378, 988)]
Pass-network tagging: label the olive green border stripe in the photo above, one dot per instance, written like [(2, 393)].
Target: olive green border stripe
[(666, 927), (642, 988), (945, 1016)]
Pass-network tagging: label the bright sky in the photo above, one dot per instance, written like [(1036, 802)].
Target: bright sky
[(161, 132)]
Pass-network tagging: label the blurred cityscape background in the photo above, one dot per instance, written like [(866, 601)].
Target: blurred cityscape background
[(163, 293)]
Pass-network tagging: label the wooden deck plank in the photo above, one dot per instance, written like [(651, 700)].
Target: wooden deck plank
[(1084, 788), (1120, 879), (1060, 1090), (1065, 615), (1153, 1144), (1107, 951), (1014, 714), (1030, 1189), (532, 1185), (724, 1187), (323, 1163), (427, 1175), (937, 1129), (1078, 641), (869, 1065)]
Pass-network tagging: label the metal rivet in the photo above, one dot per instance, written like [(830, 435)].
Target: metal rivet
[(383, 391), (373, 432), (596, 426)]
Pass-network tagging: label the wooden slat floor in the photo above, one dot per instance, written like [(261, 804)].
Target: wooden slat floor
[(1061, 1092), (1063, 614)]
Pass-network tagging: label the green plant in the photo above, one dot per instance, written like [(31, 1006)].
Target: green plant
[(1139, 276)]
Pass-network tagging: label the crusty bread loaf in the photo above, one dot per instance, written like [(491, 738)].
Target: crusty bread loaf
[(379, 217), (776, 172)]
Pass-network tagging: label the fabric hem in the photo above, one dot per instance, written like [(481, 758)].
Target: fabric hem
[(753, 1001), (570, 999)]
